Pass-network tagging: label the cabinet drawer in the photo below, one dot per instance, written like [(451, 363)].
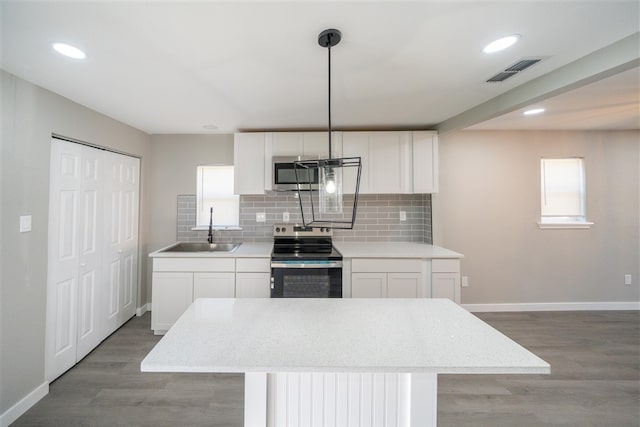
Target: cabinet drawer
[(194, 264), (386, 265), (258, 265), (445, 265)]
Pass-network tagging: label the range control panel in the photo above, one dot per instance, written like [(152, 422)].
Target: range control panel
[(299, 230)]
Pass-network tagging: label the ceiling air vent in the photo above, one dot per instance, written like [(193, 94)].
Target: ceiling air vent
[(514, 69)]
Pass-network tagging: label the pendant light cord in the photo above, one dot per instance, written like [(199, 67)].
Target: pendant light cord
[(329, 49)]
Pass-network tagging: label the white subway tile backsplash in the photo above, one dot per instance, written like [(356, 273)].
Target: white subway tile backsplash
[(377, 220)]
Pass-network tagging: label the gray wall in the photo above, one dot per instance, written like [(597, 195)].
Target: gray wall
[(489, 203), (30, 115), (173, 172)]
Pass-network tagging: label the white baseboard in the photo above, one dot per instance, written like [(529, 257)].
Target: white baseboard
[(142, 310), (13, 413), (553, 306)]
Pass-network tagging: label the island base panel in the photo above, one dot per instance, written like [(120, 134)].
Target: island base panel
[(287, 399)]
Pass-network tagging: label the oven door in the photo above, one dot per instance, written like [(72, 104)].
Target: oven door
[(306, 279)]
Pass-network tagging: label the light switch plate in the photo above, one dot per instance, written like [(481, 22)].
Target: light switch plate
[(403, 216), (25, 223), (627, 279), (465, 281), (261, 217)]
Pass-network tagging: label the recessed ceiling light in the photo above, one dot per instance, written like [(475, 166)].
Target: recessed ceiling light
[(501, 43), (533, 111), (69, 51), (210, 127)]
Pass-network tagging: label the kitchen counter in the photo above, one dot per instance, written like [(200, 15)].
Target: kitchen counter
[(245, 250), (304, 356), (393, 250), (336, 335)]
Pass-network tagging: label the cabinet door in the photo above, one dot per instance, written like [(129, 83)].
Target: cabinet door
[(369, 285), (172, 293), (356, 144), (404, 285), (213, 285), (316, 145), (253, 285), (287, 144), (446, 285), (390, 158), (249, 163), (425, 162)]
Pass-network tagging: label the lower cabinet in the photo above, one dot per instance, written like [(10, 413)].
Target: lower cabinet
[(388, 278), (213, 285), (172, 294), (252, 277), (445, 279), (177, 282), (405, 278)]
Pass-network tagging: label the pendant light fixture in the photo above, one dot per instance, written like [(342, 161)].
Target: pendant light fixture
[(326, 205)]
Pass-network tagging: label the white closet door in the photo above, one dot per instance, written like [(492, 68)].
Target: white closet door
[(89, 332), (112, 262), (121, 239), (63, 257), (129, 227)]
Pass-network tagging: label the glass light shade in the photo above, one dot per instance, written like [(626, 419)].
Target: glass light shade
[(330, 189)]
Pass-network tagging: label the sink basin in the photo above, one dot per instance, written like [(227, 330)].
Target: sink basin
[(202, 247)]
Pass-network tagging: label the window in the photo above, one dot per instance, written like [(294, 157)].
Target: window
[(214, 189), (562, 188)]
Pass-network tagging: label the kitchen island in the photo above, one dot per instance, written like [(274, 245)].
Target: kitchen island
[(338, 361)]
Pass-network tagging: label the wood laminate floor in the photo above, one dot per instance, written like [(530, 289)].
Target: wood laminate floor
[(594, 381)]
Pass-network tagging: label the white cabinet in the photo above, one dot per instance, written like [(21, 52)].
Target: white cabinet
[(392, 161), (213, 285), (172, 294), (368, 285), (253, 277), (425, 162), (388, 278), (386, 160), (445, 279), (177, 282), (249, 163)]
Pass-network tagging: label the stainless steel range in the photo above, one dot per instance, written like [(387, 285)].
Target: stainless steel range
[(304, 263)]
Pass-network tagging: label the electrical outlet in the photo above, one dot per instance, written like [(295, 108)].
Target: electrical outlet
[(403, 216), (465, 281), (627, 279), (25, 223), (261, 217), (285, 216)]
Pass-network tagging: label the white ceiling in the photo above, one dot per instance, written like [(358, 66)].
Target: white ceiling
[(173, 67)]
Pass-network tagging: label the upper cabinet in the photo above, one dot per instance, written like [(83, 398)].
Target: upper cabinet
[(248, 160), (392, 162), (425, 162)]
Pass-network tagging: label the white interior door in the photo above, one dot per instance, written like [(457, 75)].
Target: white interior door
[(112, 290), (129, 227), (89, 332), (92, 250), (63, 258)]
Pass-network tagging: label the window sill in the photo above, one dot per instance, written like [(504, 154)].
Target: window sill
[(564, 225), (216, 228)]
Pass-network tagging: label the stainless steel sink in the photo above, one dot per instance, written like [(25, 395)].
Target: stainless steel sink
[(202, 247)]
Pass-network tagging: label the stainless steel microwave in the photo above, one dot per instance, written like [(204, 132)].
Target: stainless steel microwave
[(284, 175)]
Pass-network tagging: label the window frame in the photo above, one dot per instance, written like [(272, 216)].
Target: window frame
[(569, 220), (202, 220)]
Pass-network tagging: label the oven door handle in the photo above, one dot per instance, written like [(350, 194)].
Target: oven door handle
[(297, 264)]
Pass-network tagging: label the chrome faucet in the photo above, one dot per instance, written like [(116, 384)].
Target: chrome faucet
[(210, 238)]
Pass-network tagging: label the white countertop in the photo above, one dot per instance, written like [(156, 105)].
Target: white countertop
[(337, 335), (347, 249), (245, 250), (393, 250)]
